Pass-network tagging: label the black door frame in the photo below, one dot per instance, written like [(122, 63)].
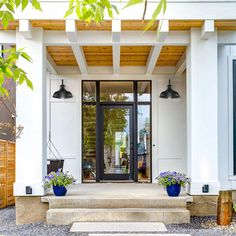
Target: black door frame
[(104, 176), (134, 104)]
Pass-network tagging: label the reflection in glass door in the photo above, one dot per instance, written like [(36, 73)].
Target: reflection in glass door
[(117, 155)]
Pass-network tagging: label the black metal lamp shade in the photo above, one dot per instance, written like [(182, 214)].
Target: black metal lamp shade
[(62, 92), (169, 92)]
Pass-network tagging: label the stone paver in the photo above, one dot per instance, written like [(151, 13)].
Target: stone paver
[(118, 227)]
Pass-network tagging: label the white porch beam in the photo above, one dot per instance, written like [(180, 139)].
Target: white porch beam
[(52, 64), (25, 28), (163, 30), (207, 29), (152, 58), (80, 58), (54, 38), (181, 65), (116, 30), (71, 30)]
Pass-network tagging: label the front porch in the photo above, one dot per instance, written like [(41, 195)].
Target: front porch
[(117, 202)]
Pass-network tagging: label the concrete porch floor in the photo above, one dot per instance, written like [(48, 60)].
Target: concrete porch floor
[(116, 191)]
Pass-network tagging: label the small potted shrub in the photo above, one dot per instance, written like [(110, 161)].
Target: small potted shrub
[(59, 181), (172, 182)]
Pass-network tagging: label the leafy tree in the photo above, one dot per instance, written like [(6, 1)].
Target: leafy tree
[(10, 70)]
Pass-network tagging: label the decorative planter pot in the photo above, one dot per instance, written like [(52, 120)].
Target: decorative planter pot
[(173, 190), (59, 190)]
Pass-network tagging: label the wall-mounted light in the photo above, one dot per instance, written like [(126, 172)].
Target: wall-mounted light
[(62, 92), (169, 92), (205, 188)]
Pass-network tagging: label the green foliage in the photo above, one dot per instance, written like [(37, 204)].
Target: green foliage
[(91, 10), (161, 6), (10, 70), (8, 7), (169, 178), (133, 2), (58, 179)]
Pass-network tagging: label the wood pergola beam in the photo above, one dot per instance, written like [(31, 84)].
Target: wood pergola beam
[(116, 31), (181, 65), (71, 31), (152, 58)]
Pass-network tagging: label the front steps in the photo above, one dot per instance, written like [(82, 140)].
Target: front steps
[(69, 209), (66, 216)]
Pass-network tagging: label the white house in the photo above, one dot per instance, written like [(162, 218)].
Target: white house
[(116, 73)]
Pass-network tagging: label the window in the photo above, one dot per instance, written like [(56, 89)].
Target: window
[(89, 91), (116, 91), (144, 91), (89, 143)]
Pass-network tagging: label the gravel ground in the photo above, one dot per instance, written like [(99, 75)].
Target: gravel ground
[(199, 226)]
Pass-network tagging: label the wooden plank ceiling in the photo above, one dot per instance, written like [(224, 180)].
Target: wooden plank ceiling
[(170, 55), (62, 55), (102, 55), (134, 55), (98, 55), (125, 25)]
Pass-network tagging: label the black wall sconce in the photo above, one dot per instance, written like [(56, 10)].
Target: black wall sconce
[(62, 92), (169, 92)]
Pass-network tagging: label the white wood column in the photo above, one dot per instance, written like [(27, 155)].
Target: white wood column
[(31, 113), (202, 113)]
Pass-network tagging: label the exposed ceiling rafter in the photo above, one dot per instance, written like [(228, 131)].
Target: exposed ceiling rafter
[(25, 29), (208, 28), (116, 31), (71, 31)]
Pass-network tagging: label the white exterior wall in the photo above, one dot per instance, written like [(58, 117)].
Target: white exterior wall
[(168, 123)]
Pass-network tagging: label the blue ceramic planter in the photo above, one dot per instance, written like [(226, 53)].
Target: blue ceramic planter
[(173, 190), (59, 190)]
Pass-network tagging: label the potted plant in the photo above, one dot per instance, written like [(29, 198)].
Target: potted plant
[(172, 181), (59, 181)]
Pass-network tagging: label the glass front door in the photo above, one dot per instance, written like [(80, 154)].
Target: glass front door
[(116, 143)]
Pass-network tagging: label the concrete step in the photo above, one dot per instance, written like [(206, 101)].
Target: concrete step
[(111, 202), (118, 227), (68, 216)]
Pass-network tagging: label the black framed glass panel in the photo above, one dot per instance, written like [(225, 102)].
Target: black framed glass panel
[(119, 91), (117, 142), (89, 143), (89, 91), (144, 143), (144, 91)]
